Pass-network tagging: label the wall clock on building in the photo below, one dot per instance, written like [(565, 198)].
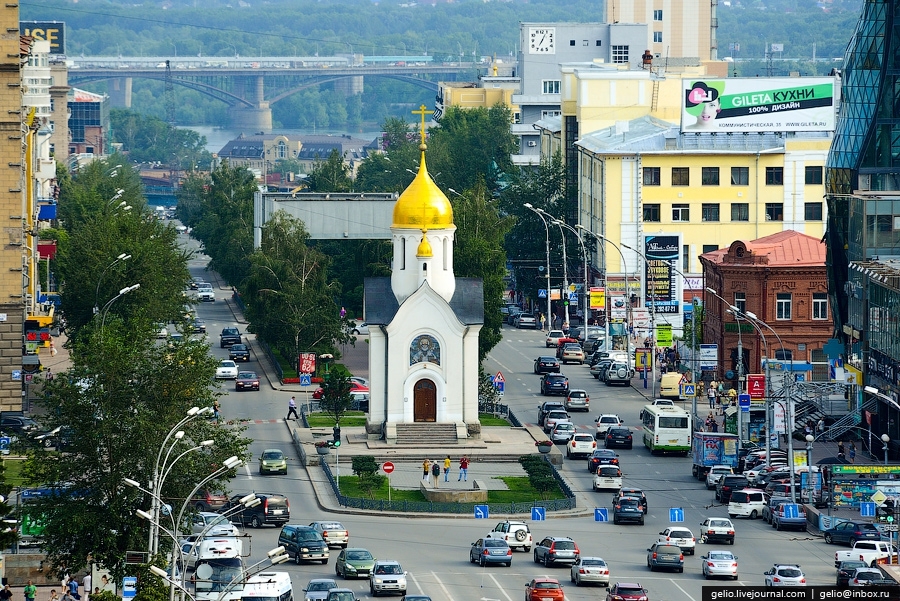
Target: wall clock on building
[(542, 40)]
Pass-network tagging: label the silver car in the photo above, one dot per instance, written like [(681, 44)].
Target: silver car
[(562, 432), (387, 577), (590, 569), (317, 589), (334, 533), (720, 563)]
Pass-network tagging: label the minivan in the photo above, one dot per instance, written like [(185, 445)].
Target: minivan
[(303, 543), (268, 586), (272, 509), (669, 385), (746, 503)]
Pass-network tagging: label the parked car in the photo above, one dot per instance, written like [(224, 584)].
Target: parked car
[(785, 575), (387, 577), (789, 515), (590, 569), (661, 555), (543, 589), (618, 373), (334, 533), (556, 549), (619, 438), (546, 365), (204, 522), (847, 533), (354, 563), (490, 550), (681, 537), (246, 380), (562, 432), (554, 383), (716, 472), (769, 509), (716, 529), (578, 399), (359, 329), (209, 500), (727, 484), (719, 563)]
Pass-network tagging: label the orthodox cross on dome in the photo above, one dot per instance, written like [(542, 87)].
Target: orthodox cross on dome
[(422, 112)]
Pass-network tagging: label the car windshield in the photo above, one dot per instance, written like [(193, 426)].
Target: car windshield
[(556, 378), (593, 562), (247, 375), (225, 572), (344, 596), (609, 420), (720, 524), (628, 502), (564, 544), (227, 364), (359, 555), (558, 415), (546, 585), (322, 585), (577, 394), (608, 472), (790, 572), (388, 569), (217, 520), (273, 455), (868, 575), (721, 555)]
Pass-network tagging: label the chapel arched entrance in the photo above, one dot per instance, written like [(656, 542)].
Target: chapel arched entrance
[(425, 401)]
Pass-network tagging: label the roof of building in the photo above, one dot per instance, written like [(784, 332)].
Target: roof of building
[(788, 248), (381, 305), (423, 205), (311, 146), (79, 95)]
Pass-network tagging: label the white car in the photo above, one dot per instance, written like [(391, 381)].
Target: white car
[(162, 331), (719, 563), (205, 293), (553, 418), (680, 536), (227, 370), (590, 569), (716, 472), (553, 337), (387, 577), (207, 522), (605, 422), (360, 329), (785, 575), (607, 477), (516, 534), (581, 444)]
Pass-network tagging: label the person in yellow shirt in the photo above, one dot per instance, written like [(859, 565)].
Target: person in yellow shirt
[(426, 471), (447, 469)]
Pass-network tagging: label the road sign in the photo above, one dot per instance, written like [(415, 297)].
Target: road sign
[(500, 383), (878, 497), (573, 297), (867, 509), (305, 380), (17, 374), (688, 389), (891, 527), (129, 587), (676, 514), (744, 402), (542, 293), (601, 514), (709, 357), (4, 444), (538, 514), (387, 467), (482, 512), (791, 510)]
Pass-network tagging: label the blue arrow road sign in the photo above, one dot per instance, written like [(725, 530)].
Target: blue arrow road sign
[(676, 514), (601, 514), (791, 510), (482, 512), (867, 509), (538, 514), (305, 380)]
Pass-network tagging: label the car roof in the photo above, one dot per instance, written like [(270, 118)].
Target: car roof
[(388, 561), (629, 584)]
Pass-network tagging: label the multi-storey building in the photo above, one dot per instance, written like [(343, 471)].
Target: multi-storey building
[(88, 125), (260, 152), (686, 28)]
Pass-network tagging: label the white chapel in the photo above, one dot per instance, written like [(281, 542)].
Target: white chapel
[(423, 323)]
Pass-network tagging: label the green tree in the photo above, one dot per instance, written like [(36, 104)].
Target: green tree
[(368, 478), (330, 175), (479, 253), (336, 398)]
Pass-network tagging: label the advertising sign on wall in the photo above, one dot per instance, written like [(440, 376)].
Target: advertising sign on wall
[(661, 284), (758, 104), (52, 31), (598, 298)]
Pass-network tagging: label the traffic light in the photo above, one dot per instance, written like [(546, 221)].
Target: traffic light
[(336, 442)]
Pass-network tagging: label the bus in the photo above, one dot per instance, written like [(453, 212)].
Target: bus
[(268, 586), (667, 429)]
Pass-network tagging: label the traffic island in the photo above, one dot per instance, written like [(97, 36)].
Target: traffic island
[(477, 494)]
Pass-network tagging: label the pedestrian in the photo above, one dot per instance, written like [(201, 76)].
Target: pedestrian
[(292, 408), (6, 594), (30, 591), (73, 588), (343, 313), (463, 469), (216, 408), (711, 394), (426, 471), (53, 595), (715, 426), (86, 585), (820, 426), (841, 448), (852, 452), (436, 472), (447, 469)]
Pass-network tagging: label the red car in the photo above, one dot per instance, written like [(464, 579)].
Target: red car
[(354, 387), (626, 591), (542, 589), (246, 380)]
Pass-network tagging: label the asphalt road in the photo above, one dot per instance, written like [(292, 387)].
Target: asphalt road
[(435, 550)]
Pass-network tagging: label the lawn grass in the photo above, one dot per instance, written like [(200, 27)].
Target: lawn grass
[(350, 419), (488, 419), (13, 472), (520, 491)]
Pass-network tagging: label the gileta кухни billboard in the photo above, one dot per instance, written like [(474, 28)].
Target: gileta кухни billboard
[(758, 104)]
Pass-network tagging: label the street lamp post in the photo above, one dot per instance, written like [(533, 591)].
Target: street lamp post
[(564, 295), (586, 308), (537, 212), (105, 310), (740, 354), (122, 257), (885, 439), (809, 471)]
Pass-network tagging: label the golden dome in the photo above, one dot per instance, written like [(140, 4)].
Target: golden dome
[(422, 204), (424, 249)]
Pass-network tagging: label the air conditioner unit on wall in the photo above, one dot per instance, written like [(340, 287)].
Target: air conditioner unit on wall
[(532, 144)]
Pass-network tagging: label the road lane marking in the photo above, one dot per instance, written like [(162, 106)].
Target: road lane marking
[(247, 469), (491, 576), (441, 584), (682, 590)]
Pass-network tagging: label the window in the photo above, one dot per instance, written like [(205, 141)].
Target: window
[(812, 211), (545, 114), (813, 175), (740, 301), (740, 176), (709, 211), (651, 212), (709, 176), (774, 176), (783, 305), (620, 55), (708, 248), (584, 43), (599, 43), (571, 42), (657, 15), (657, 36), (681, 176), (551, 86), (820, 305), (651, 176), (686, 257), (681, 212), (740, 211), (774, 211)]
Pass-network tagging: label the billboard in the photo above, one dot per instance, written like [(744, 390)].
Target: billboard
[(52, 31), (661, 285), (758, 104)]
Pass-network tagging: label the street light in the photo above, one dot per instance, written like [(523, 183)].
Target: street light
[(105, 310), (528, 206), (564, 293), (584, 258), (885, 439), (606, 312), (119, 259), (809, 474)]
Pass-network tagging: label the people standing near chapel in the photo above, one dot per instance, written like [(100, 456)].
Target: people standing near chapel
[(436, 472), (463, 469), (447, 469), (426, 471)]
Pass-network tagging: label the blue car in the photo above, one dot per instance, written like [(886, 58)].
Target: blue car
[(849, 532), (554, 383), (490, 550)]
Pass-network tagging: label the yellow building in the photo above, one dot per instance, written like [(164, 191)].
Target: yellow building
[(488, 91), (686, 28)]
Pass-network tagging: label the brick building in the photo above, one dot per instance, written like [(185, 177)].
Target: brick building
[(781, 279)]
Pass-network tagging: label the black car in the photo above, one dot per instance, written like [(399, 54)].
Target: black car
[(198, 326), (847, 533), (601, 457), (619, 437), (846, 570), (229, 336), (273, 509), (727, 484), (546, 365), (637, 493), (628, 509), (239, 352), (19, 425), (554, 384)]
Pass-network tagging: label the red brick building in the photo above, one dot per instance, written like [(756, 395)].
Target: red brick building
[(782, 280)]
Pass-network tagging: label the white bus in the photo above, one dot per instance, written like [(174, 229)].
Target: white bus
[(268, 586), (666, 429)]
